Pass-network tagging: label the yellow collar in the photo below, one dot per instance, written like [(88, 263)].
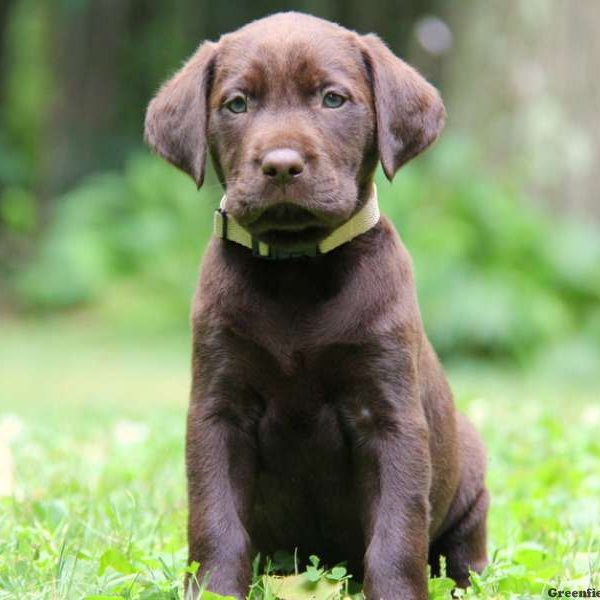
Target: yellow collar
[(227, 228)]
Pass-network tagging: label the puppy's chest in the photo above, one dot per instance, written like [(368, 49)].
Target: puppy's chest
[(329, 401), (320, 398), (303, 430)]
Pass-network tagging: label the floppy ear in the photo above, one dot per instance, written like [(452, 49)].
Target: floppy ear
[(176, 119), (410, 112)]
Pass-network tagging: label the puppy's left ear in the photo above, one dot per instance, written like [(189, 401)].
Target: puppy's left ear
[(410, 112), (176, 119)]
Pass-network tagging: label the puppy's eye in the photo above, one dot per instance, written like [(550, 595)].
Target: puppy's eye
[(333, 100), (237, 105)]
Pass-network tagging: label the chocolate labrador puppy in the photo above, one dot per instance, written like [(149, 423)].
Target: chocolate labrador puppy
[(320, 418)]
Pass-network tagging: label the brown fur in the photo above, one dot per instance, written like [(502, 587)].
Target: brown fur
[(320, 418)]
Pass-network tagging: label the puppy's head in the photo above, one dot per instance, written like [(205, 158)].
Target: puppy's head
[(295, 111)]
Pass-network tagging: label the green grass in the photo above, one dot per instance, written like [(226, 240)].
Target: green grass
[(93, 422)]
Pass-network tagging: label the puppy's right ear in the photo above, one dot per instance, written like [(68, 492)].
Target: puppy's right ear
[(410, 113), (176, 119)]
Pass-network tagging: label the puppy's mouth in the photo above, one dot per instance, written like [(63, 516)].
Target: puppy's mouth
[(288, 226)]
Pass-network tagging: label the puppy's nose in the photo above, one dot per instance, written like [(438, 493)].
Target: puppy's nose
[(282, 165)]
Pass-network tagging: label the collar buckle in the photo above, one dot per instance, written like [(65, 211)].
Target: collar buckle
[(262, 250)]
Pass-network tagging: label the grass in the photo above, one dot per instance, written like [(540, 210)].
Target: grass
[(92, 422)]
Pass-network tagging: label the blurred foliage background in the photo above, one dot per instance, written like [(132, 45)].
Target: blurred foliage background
[(501, 216)]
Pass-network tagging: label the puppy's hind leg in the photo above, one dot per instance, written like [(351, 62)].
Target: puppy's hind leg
[(463, 546), (464, 536)]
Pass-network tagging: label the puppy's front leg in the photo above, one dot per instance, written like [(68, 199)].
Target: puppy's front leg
[(220, 471), (394, 470)]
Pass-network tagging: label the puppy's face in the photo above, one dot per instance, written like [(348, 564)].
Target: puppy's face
[(296, 112), (291, 128)]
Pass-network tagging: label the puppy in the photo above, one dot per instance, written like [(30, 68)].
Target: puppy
[(320, 418)]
